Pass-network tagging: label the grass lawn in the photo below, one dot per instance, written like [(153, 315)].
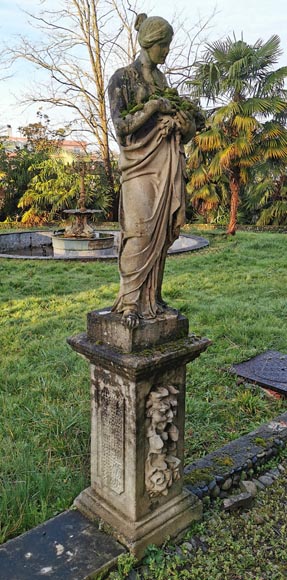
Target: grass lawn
[(233, 292)]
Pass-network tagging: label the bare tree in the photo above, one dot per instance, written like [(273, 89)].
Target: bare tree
[(75, 51), (81, 44), (188, 42)]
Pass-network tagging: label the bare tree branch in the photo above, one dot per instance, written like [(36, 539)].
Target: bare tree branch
[(82, 43)]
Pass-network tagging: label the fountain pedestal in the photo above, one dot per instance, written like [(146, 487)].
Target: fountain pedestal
[(138, 402), (80, 228)]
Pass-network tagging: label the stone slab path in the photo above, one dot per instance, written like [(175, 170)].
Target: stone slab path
[(67, 547)]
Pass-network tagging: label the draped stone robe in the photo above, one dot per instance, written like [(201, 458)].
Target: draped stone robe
[(152, 203)]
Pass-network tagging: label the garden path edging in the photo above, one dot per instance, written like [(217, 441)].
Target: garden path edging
[(220, 471)]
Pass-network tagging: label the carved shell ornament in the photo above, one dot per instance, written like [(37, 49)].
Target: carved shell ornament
[(162, 466)]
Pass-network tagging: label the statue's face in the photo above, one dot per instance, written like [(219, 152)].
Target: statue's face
[(158, 52)]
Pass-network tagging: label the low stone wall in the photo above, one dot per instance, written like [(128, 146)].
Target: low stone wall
[(41, 243), (217, 473), (20, 240)]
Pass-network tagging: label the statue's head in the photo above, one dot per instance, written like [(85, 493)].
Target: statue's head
[(154, 32)]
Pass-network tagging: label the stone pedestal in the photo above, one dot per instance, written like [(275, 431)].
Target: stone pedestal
[(138, 400)]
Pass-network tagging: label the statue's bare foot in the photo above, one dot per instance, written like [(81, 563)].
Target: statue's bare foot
[(130, 319)]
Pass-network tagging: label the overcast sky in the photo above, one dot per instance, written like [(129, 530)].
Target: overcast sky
[(254, 18)]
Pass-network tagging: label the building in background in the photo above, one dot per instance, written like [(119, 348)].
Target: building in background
[(13, 143)]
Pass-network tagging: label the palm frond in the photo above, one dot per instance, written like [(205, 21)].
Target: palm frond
[(268, 52), (246, 124), (263, 106), (215, 167), (251, 160), (275, 214), (244, 174), (224, 113), (206, 194), (273, 129), (272, 83), (198, 178), (209, 140)]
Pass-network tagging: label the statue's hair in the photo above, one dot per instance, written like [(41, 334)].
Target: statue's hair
[(152, 30), (139, 20)]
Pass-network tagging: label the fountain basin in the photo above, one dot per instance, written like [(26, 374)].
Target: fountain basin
[(98, 245), (37, 245)]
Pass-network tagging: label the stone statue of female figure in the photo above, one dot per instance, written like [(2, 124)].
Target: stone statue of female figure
[(151, 134)]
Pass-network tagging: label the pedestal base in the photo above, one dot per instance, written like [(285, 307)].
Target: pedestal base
[(169, 520), (137, 440)]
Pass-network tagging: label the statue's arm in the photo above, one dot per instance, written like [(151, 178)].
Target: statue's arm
[(131, 123)]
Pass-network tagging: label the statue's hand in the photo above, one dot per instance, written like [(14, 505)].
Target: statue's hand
[(165, 106), (186, 125), (160, 105), (166, 125)]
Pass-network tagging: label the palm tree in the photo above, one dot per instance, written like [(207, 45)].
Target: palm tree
[(246, 123), (209, 195), (266, 196)]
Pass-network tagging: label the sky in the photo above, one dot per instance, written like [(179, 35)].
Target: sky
[(254, 18)]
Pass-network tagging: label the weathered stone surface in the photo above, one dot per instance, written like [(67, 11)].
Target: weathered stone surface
[(104, 327), (68, 547), (167, 520), (242, 500), (77, 247), (265, 480), (242, 451), (274, 473), (249, 487), (143, 363), (132, 575), (119, 442), (258, 484), (33, 246), (215, 492), (138, 402), (153, 189), (227, 484), (21, 240), (212, 485)]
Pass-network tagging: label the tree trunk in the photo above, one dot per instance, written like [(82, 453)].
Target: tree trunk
[(96, 60), (234, 184), (113, 215)]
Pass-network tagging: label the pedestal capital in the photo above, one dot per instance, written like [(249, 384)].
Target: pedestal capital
[(140, 364)]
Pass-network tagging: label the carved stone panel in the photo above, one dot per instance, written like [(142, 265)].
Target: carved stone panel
[(111, 439), (162, 466)]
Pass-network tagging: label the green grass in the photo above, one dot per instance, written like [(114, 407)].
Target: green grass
[(233, 292), (241, 545)]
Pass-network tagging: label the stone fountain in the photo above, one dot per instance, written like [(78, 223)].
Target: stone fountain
[(80, 239)]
